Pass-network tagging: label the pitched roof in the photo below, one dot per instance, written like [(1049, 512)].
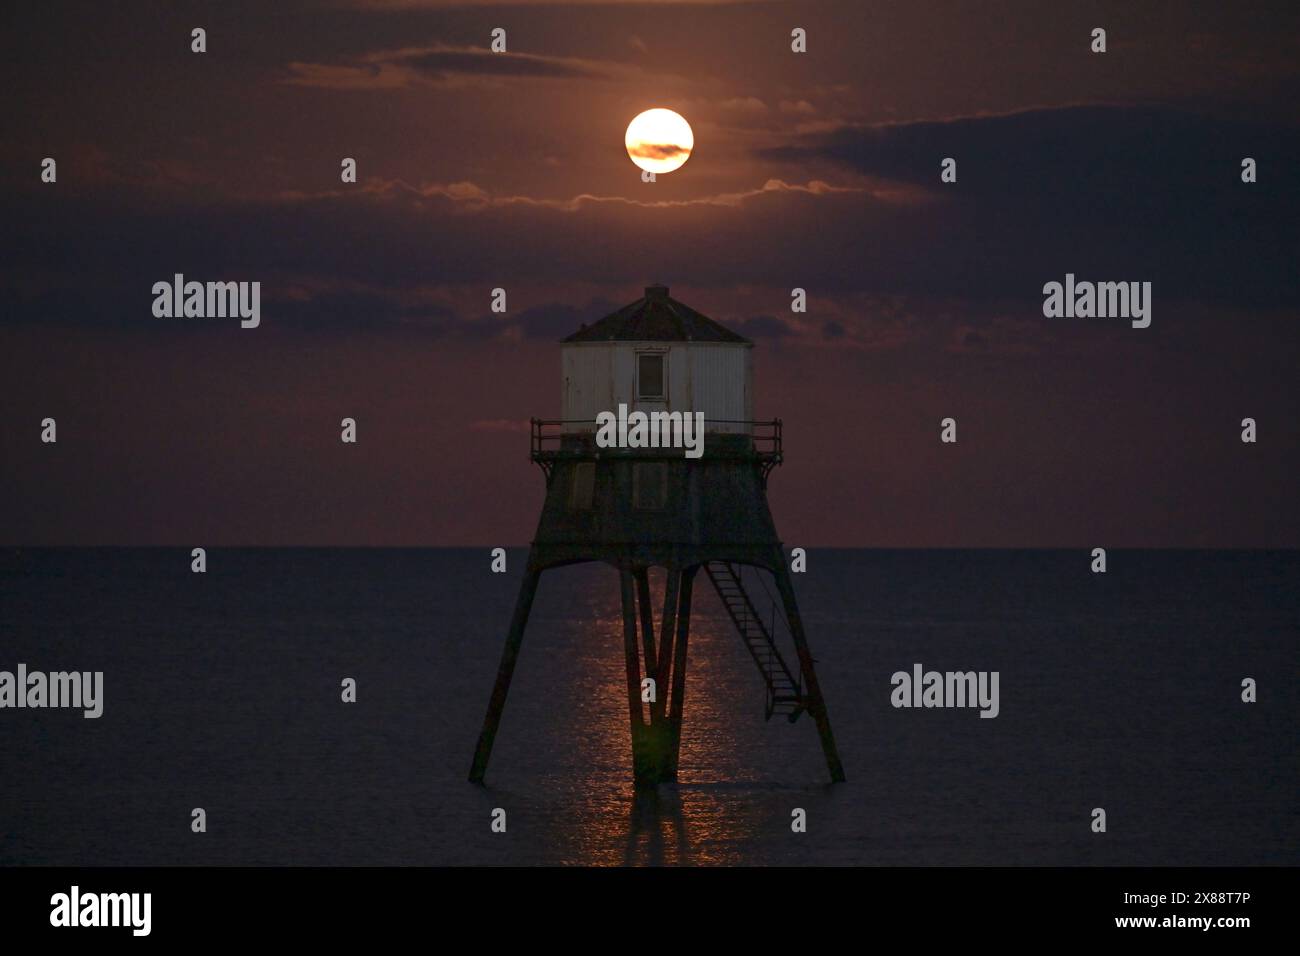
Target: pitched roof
[(655, 318)]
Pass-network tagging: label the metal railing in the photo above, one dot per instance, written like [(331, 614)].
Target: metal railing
[(551, 440)]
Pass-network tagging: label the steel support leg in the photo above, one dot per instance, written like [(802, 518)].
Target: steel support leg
[(816, 703), (679, 669), (645, 768), (497, 703)]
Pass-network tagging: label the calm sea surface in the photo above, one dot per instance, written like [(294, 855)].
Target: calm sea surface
[(222, 691)]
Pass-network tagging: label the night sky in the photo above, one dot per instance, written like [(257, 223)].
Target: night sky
[(819, 170)]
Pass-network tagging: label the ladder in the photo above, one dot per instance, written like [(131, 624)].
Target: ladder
[(784, 690)]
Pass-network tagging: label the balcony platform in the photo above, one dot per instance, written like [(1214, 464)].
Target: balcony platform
[(759, 442)]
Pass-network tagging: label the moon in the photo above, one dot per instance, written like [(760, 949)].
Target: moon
[(659, 140)]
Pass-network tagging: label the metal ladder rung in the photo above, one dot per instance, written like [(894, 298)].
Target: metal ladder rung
[(784, 694)]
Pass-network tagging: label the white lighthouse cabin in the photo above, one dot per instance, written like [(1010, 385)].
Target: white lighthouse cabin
[(657, 355)]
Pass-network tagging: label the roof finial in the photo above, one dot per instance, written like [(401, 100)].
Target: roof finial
[(656, 291)]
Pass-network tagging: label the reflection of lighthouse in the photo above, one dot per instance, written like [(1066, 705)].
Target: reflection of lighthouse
[(639, 507)]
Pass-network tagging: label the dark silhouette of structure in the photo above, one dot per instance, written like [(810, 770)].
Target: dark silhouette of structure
[(636, 508)]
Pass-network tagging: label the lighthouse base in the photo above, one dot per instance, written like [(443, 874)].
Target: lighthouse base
[(655, 665)]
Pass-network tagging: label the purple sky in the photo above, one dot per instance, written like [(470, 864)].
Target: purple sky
[(820, 170)]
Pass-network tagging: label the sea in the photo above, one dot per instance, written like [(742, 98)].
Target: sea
[(1119, 691)]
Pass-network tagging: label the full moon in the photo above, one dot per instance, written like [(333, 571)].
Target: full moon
[(659, 140)]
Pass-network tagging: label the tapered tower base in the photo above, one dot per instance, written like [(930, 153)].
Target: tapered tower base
[(638, 509), (655, 669)]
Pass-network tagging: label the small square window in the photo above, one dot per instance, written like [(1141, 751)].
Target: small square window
[(649, 485), (583, 488), (650, 375)]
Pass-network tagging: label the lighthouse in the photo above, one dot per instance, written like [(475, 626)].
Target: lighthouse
[(657, 461)]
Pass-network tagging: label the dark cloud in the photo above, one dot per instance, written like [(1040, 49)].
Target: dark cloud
[(398, 69), (1148, 192), (554, 320), (360, 311), (762, 327), (658, 150), (1118, 194), (444, 63)]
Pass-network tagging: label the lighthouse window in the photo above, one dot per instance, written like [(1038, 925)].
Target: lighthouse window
[(649, 481), (650, 375), (584, 486)]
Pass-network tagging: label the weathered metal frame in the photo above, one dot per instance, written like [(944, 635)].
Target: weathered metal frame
[(656, 730)]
